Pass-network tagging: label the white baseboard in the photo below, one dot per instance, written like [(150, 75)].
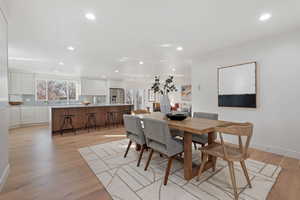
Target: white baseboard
[(276, 150), (3, 177), (28, 125), (272, 149)]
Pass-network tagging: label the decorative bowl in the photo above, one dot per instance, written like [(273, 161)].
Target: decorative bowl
[(15, 103), (176, 116), (86, 103)]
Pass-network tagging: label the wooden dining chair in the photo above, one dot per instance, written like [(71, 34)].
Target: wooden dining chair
[(159, 139), (230, 152), (137, 112), (135, 133)]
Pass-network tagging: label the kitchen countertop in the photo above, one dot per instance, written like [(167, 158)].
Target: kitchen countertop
[(91, 105), (69, 105)]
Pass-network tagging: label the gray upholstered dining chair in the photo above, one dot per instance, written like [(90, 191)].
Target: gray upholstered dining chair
[(159, 139), (134, 132), (203, 139)]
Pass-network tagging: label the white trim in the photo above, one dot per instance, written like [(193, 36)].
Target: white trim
[(272, 149), (277, 150), (4, 177), (28, 125)]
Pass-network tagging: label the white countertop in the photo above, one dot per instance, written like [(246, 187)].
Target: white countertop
[(91, 105)]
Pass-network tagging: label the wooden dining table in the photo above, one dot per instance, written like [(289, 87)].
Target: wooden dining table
[(190, 126)]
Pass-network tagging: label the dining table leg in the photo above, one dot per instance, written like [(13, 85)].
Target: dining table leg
[(189, 171), (212, 136), (188, 163)]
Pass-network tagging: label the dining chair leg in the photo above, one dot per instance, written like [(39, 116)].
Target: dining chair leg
[(246, 173), (232, 175), (202, 155), (141, 155), (204, 160), (128, 147), (168, 170), (149, 158), (195, 145), (214, 160)]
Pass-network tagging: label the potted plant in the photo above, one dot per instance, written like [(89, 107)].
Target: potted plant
[(164, 89)]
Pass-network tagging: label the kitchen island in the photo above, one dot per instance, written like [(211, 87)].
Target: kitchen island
[(79, 115)]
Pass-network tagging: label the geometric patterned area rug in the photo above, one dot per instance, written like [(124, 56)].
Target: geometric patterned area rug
[(125, 181)]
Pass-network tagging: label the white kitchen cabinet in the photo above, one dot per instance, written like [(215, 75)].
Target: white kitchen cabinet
[(21, 83), (27, 84), (28, 115), (15, 116), (93, 87), (14, 83), (41, 114)]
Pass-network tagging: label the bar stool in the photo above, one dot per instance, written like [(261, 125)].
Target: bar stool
[(91, 121), (67, 122), (110, 119)]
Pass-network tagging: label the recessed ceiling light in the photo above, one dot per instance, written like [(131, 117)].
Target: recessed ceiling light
[(141, 62), (71, 48), (117, 71), (90, 16), (265, 16), (61, 63), (179, 48)]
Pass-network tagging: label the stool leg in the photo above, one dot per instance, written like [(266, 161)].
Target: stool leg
[(95, 122), (62, 126), (88, 124), (73, 129)]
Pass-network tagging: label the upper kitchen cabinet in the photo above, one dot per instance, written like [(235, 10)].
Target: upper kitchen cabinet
[(21, 83), (28, 85), (14, 83), (93, 87)]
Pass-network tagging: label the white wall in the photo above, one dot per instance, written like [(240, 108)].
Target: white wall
[(276, 119), (4, 167)]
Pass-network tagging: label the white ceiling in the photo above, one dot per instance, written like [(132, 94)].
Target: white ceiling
[(41, 30)]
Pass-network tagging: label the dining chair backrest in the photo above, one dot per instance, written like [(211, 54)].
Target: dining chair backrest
[(240, 130), (157, 130), (212, 116), (133, 126)]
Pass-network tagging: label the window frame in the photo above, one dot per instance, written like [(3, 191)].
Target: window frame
[(67, 85)]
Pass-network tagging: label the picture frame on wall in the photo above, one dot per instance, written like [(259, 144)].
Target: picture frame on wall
[(186, 92), (237, 85)]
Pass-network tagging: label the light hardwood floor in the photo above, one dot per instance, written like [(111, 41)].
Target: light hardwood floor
[(45, 167)]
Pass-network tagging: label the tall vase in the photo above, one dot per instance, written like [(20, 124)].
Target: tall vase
[(165, 106)]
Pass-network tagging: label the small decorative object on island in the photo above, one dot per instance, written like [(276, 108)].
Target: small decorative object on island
[(164, 90)]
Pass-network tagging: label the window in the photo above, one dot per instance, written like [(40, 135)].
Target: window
[(41, 92), (56, 90), (72, 91)]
